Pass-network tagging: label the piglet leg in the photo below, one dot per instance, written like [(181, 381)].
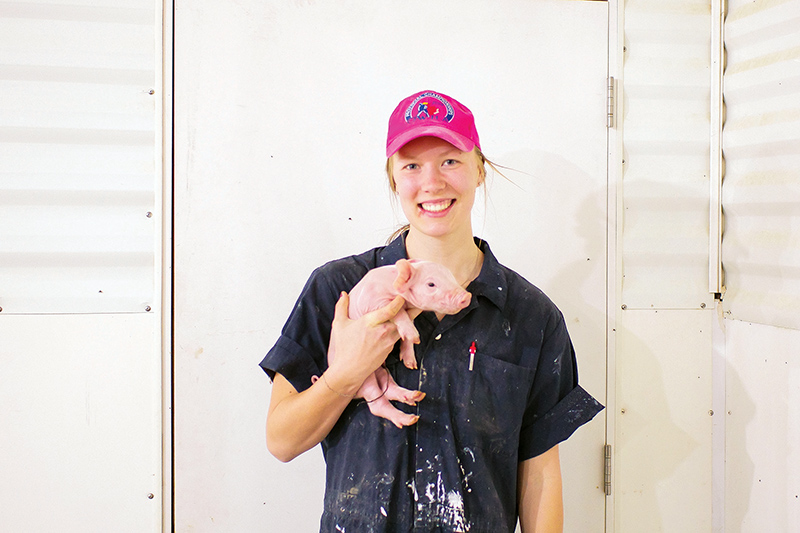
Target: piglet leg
[(379, 389), (408, 332)]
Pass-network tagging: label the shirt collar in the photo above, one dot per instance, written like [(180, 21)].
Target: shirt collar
[(491, 282), (394, 251)]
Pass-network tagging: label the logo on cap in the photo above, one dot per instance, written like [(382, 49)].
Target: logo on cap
[(423, 107)]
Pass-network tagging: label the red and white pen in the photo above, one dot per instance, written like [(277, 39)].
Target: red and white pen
[(472, 350)]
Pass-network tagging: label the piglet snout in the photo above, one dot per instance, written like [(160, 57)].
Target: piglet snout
[(457, 300), (464, 300)]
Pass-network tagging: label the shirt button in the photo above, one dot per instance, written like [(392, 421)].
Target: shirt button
[(439, 336)]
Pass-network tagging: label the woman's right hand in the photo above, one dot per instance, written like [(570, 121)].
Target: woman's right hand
[(298, 421), (359, 347)]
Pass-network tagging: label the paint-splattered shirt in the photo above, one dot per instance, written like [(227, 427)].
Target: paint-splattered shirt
[(456, 469)]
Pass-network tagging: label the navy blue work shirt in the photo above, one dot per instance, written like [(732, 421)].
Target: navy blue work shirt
[(455, 470)]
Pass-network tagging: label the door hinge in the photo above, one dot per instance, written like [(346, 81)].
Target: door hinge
[(607, 470), (611, 103)]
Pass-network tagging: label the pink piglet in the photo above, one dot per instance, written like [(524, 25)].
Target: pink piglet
[(424, 285)]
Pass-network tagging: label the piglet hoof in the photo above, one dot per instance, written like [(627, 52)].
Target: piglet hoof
[(381, 407), (409, 397), (413, 419), (404, 420)]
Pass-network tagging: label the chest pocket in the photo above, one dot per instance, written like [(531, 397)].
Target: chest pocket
[(488, 402)]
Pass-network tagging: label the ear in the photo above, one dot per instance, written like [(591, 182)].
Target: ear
[(404, 274)]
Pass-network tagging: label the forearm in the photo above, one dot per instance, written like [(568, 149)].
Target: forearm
[(541, 507), (298, 421)]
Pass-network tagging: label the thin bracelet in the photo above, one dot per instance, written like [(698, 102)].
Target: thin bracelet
[(333, 391)]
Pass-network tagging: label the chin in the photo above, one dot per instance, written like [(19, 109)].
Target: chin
[(433, 229)]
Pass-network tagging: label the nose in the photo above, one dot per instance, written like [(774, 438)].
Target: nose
[(432, 179), (464, 300)]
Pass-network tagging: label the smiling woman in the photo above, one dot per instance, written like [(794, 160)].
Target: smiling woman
[(482, 450), (435, 183)]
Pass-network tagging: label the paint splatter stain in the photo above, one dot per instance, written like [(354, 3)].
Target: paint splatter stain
[(444, 508)]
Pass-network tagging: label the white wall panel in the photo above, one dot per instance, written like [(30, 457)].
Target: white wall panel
[(665, 191), (81, 227), (761, 143), (662, 461), (762, 467), (662, 471), (80, 439), (80, 167)]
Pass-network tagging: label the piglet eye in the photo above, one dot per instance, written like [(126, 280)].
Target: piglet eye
[(431, 284)]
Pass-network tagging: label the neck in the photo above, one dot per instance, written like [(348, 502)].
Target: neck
[(459, 254)]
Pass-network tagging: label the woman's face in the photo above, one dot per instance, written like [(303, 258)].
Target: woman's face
[(436, 182)]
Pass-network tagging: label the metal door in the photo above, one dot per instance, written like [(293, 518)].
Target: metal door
[(280, 120)]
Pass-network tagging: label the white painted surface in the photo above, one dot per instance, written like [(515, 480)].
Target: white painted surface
[(761, 261), (762, 474), (80, 439), (761, 141), (665, 189), (662, 367), (80, 266), (280, 131), (663, 424), (79, 170)]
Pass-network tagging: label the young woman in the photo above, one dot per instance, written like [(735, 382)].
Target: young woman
[(498, 381)]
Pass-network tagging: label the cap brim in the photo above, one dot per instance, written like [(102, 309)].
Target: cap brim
[(459, 141)]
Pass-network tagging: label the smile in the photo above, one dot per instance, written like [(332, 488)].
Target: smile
[(436, 207)]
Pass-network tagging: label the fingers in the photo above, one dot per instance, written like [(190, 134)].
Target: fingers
[(362, 344), (341, 310), (386, 312)]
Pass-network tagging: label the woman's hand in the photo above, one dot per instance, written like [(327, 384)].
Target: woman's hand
[(359, 347), (298, 421)]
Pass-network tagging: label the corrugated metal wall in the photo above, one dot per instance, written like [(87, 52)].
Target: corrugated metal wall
[(81, 220), (79, 175), (665, 183), (662, 378), (761, 261), (761, 146)]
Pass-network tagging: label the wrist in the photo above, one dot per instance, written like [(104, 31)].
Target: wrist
[(336, 383)]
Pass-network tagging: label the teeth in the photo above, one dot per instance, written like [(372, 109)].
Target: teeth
[(436, 206)]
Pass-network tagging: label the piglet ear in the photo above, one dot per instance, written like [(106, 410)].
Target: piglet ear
[(404, 273)]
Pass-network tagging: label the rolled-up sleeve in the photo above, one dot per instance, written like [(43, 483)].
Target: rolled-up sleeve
[(293, 362), (557, 405), (301, 350)]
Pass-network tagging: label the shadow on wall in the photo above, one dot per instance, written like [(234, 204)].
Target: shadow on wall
[(550, 226), (739, 467), (650, 447), (663, 422)]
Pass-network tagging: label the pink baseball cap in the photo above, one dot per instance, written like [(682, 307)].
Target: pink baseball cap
[(429, 113)]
